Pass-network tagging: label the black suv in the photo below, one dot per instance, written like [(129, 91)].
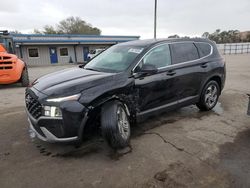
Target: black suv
[(123, 85)]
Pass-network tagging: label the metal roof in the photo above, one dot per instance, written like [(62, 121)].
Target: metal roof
[(42, 39)]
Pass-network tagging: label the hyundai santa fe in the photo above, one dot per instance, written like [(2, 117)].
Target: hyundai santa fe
[(123, 85)]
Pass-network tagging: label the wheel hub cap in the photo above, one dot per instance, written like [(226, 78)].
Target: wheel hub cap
[(211, 96), (123, 123)]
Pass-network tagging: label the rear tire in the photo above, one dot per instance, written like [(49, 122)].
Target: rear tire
[(25, 78), (115, 124), (209, 96)]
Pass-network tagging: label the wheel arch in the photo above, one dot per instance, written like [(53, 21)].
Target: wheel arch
[(201, 103), (101, 102), (94, 112), (218, 80), (127, 100)]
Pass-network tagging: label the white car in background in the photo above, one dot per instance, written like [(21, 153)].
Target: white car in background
[(95, 52)]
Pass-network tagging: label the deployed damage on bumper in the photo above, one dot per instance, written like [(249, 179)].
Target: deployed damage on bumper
[(55, 122)]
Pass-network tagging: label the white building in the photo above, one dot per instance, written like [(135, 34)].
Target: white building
[(40, 49)]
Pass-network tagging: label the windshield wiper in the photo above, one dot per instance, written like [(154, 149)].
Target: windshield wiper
[(92, 69)]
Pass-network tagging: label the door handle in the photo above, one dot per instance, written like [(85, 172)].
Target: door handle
[(171, 73), (204, 65)]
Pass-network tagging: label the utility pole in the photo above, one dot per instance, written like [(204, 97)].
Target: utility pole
[(155, 15)]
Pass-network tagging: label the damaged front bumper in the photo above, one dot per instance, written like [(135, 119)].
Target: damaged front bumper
[(68, 128), (46, 135)]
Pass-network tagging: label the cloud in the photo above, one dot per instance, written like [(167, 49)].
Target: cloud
[(9, 6), (130, 17)]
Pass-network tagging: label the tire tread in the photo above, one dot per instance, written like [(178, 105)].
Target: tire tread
[(25, 78), (110, 130), (201, 104)]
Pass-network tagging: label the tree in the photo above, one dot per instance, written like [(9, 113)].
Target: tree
[(75, 25), (36, 31), (229, 36), (205, 35), (224, 37), (49, 30), (174, 36), (70, 25), (248, 37), (15, 32)]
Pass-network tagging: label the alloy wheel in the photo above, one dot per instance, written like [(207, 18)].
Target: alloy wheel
[(211, 95), (123, 123)]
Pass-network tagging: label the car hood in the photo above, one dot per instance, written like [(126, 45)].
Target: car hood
[(71, 81)]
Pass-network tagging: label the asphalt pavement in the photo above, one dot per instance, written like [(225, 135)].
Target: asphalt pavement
[(183, 148)]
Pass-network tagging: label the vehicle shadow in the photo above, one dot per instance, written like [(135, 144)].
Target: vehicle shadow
[(97, 145), (173, 116), (10, 86)]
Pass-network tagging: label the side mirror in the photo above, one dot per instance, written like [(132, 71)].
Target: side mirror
[(149, 69)]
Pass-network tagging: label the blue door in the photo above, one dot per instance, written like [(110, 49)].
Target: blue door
[(85, 53), (53, 55)]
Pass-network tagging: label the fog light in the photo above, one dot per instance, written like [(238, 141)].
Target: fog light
[(32, 134), (52, 111)]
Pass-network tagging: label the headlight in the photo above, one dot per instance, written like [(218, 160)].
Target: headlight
[(52, 111), (68, 98)]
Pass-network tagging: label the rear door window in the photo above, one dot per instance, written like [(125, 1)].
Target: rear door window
[(183, 52), (204, 48), (158, 56)]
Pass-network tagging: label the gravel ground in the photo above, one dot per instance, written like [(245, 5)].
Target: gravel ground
[(184, 148)]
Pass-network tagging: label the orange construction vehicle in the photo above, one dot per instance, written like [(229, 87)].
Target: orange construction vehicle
[(12, 69)]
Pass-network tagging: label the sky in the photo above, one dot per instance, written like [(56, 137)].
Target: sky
[(130, 17)]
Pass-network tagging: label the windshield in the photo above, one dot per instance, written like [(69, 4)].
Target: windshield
[(115, 59)]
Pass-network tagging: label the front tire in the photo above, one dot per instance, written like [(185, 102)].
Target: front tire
[(25, 78), (115, 124), (209, 96)]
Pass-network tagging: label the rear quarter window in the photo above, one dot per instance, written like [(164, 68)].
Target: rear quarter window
[(204, 48), (183, 52)]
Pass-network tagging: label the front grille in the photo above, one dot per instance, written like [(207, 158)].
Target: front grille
[(33, 106), (6, 63), (6, 68), (4, 57)]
